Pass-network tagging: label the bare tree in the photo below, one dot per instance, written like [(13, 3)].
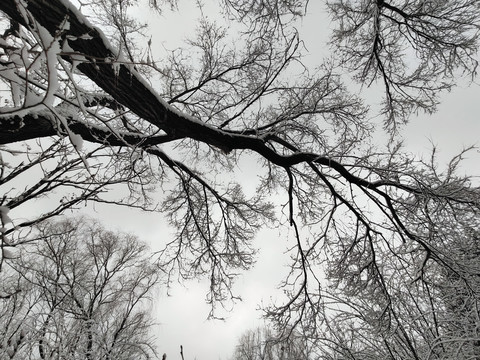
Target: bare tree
[(81, 292), (263, 344), (373, 226), (417, 48), (430, 314)]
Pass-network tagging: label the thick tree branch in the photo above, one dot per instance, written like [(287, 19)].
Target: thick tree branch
[(116, 78)]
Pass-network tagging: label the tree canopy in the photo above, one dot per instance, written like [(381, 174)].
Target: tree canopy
[(78, 292), (385, 243), (262, 344)]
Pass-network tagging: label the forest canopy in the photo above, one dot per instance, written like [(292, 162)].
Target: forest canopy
[(77, 291), (384, 262)]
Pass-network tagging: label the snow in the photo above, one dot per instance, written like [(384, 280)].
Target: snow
[(32, 99), (116, 68), (83, 37), (25, 58), (76, 58), (4, 215), (16, 83), (82, 19), (51, 48), (76, 140)]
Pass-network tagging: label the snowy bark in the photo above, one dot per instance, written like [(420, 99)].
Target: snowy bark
[(121, 81)]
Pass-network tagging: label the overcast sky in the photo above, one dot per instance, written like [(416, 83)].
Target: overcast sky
[(182, 317)]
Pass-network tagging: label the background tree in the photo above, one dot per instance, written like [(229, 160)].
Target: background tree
[(431, 314), (372, 220), (263, 344), (417, 49), (80, 292)]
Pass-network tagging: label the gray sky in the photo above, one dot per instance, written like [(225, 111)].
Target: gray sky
[(182, 316)]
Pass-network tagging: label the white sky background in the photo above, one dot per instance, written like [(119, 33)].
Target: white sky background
[(182, 317)]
